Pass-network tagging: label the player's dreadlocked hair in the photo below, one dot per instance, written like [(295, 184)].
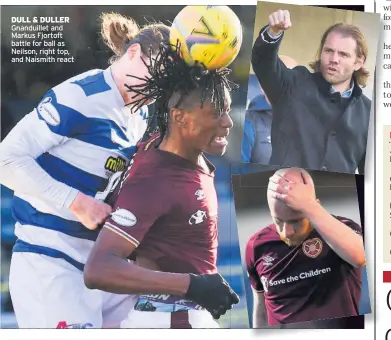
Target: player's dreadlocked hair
[(172, 80)]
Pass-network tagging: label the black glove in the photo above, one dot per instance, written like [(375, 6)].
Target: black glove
[(211, 292)]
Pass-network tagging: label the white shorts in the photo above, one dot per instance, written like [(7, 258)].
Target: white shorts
[(48, 292), (187, 319), (167, 311)]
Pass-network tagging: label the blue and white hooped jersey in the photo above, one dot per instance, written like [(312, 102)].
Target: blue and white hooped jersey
[(92, 135)]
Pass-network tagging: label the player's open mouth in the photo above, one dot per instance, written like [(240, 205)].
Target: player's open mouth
[(221, 141)]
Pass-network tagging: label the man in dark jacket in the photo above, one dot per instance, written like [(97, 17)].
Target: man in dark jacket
[(256, 143), (320, 119)]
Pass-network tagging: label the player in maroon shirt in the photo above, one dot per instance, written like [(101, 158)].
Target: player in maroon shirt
[(307, 265), (165, 207)]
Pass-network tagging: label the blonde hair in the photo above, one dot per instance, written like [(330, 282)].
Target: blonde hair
[(119, 32), (360, 75)]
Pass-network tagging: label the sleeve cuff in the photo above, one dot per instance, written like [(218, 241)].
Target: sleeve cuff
[(266, 37), (70, 197)]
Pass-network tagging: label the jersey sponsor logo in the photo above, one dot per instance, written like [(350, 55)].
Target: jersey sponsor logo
[(197, 217), (292, 279), (64, 325), (117, 178), (267, 260), (200, 194), (123, 217), (313, 247), (115, 164), (48, 112)]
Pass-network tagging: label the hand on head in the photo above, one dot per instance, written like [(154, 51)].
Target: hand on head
[(294, 187)]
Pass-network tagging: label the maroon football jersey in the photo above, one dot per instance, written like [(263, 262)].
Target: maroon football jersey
[(167, 208), (302, 283)]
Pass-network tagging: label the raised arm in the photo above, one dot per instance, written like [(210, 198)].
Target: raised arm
[(342, 235), (275, 78)]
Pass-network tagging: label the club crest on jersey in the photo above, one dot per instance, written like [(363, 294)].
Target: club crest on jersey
[(312, 247), (123, 217), (115, 164), (200, 194), (48, 112), (197, 217)]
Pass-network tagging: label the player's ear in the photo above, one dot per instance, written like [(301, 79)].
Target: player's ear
[(318, 200), (178, 116), (134, 51), (359, 63)]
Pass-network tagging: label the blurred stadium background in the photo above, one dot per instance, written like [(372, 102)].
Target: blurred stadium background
[(24, 84)]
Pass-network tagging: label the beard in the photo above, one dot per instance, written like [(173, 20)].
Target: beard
[(334, 76)]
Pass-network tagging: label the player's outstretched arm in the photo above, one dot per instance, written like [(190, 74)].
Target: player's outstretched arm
[(259, 310), (275, 78), (107, 269)]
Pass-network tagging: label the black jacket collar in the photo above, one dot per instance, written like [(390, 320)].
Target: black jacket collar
[(324, 86)]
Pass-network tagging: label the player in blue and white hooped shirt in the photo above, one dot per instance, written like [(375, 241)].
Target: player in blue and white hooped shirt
[(58, 160)]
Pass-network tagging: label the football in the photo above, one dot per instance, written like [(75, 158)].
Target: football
[(209, 35)]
